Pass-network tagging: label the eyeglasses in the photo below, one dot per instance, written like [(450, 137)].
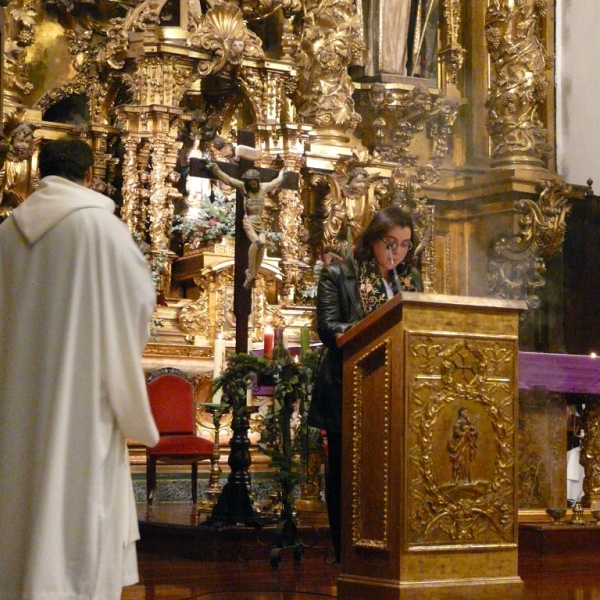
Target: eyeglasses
[(392, 244)]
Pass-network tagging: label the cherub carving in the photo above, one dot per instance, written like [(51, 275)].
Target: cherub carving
[(348, 203), (223, 33), (16, 178)]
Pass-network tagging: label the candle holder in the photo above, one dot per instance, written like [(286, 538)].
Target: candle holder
[(577, 518), (556, 514), (214, 487)]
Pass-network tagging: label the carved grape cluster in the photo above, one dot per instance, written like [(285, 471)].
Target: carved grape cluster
[(509, 100), (541, 7), (493, 38)]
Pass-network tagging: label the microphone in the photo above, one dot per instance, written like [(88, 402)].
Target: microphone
[(390, 249)]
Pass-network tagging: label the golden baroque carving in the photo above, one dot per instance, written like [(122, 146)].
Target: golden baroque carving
[(290, 222), (532, 470), (543, 223), (194, 317), (542, 459), (451, 375), (258, 10), (590, 452), (519, 83), (20, 34), (452, 54), (516, 267), (160, 80), (160, 209), (394, 117), (222, 33), (117, 42), (347, 204), (327, 47), (17, 148), (135, 189)]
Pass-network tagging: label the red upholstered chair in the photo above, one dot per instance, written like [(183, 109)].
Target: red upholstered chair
[(171, 394)]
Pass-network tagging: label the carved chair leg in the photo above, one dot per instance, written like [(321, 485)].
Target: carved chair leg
[(195, 483), (150, 479)]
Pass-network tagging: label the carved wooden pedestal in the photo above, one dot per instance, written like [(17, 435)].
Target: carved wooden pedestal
[(429, 434)]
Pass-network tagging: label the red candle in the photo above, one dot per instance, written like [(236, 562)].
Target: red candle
[(269, 340)]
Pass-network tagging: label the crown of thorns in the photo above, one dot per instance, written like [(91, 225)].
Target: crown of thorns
[(251, 174)]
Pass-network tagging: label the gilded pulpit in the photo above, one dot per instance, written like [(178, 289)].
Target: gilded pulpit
[(430, 480)]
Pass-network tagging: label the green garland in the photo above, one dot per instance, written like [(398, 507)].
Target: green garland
[(292, 382)]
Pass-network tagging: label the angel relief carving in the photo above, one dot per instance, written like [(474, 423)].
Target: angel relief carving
[(348, 205), (16, 152)]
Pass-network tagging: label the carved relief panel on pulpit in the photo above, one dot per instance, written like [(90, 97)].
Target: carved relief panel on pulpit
[(461, 440)]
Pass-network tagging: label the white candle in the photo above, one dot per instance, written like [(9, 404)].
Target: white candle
[(249, 396), (219, 357), (286, 339)]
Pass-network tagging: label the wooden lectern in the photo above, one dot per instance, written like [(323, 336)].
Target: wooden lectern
[(430, 480)]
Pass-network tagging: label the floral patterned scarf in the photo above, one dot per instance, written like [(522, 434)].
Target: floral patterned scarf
[(371, 288)]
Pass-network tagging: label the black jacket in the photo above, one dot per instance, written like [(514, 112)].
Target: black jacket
[(338, 309)]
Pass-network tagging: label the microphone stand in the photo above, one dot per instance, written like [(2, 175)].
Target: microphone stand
[(396, 278)]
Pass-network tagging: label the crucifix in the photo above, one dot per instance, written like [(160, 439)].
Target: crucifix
[(249, 233), (234, 503)]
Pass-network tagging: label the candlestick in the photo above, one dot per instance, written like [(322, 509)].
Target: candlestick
[(304, 340), (278, 331), (219, 358), (268, 339)]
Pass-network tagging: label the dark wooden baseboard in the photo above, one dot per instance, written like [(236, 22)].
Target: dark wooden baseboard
[(178, 529), (574, 543)]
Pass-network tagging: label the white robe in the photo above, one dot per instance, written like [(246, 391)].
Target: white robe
[(76, 297), (575, 474)]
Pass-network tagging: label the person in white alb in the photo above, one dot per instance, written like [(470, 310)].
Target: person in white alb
[(76, 298)]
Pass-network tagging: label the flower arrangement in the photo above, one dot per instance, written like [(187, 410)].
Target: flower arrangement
[(209, 222)]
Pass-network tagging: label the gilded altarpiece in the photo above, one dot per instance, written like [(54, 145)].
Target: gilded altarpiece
[(134, 78)]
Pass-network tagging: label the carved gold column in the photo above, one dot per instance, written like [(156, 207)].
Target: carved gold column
[(293, 252), (452, 54), (132, 211), (518, 82)]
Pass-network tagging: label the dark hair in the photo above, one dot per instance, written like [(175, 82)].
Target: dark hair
[(248, 176), (379, 226), (65, 158)]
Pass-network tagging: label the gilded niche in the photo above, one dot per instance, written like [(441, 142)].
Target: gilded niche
[(462, 427)]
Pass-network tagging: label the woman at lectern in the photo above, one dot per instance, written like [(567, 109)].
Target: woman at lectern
[(380, 266)]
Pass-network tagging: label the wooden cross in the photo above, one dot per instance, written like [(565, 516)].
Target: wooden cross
[(242, 296)]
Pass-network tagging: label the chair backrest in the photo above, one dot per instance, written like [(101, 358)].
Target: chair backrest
[(171, 394)]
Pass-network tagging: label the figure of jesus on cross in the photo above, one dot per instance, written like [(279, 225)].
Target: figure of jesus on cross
[(254, 193)]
